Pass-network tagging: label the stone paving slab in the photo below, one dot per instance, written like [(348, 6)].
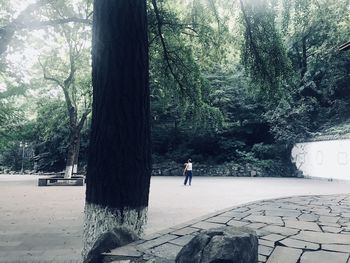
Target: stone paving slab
[(156, 242), (206, 225), (265, 250), (338, 248), (331, 229), (265, 219), (181, 241), (302, 225), (324, 257), (273, 237), (285, 231), (304, 229), (267, 243), (323, 238), (285, 255), (236, 223), (309, 217), (256, 226), (185, 231), (219, 219), (284, 212), (291, 242), (167, 251)]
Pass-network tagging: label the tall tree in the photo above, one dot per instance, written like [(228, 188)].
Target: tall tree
[(119, 164), (76, 90)]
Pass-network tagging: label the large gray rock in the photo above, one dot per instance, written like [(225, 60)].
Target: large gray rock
[(224, 244), (115, 238)]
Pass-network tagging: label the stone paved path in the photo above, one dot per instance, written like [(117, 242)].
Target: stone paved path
[(306, 229)]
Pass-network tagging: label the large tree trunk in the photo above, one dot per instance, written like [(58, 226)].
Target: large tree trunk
[(119, 163)]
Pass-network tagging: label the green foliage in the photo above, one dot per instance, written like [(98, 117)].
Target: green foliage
[(217, 95), (263, 53), (52, 135), (282, 100), (176, 80), (265, 151), (8, 119)]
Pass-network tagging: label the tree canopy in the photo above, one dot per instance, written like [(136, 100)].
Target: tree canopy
[(230, 81)]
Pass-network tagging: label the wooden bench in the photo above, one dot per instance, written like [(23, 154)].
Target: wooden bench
[(60, 180)]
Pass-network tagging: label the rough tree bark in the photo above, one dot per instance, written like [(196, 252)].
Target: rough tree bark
[(119, 163), (71, 157), (74, 145)]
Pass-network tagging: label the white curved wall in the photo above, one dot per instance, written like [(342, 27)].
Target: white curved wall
[(326, 159)]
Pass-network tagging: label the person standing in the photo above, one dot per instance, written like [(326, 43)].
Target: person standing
[(188, 172)]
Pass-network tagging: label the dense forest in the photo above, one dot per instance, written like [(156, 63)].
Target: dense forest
[(232, 81)]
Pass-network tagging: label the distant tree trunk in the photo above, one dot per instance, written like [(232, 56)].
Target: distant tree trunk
[(301, 56), (119, 163), (76, 157), (74, 137), (304, 57), (73, 153)]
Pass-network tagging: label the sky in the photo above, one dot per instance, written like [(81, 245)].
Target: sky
[(20, 5), (26, 57), (35, 44)]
